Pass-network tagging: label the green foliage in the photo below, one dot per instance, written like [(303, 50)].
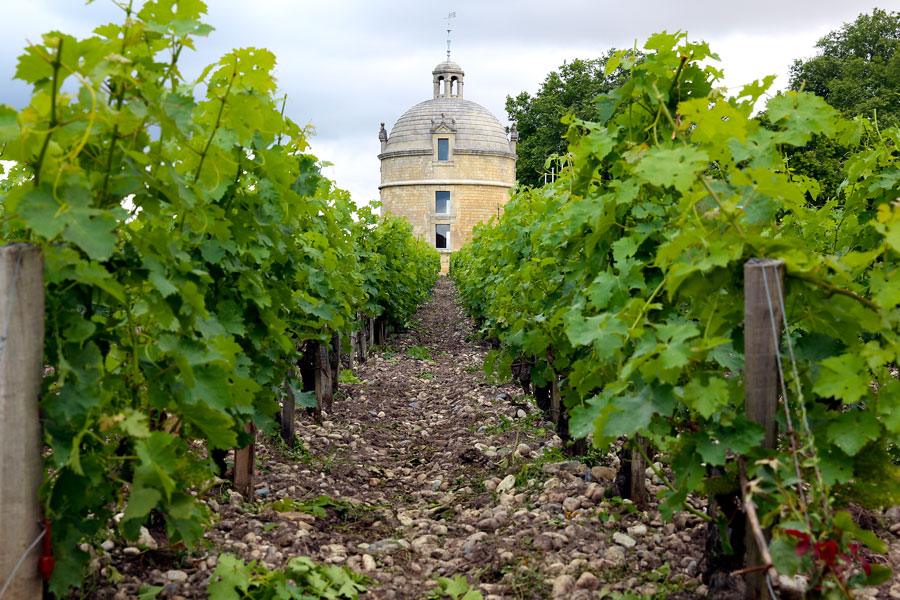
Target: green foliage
[(189, 244), (347, 376), (455, 589), (313, 507), (301, 579), (570, 90), (857, 68), (419, 352), (624, 279)]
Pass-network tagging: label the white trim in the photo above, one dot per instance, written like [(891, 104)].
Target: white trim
[(447, 182)]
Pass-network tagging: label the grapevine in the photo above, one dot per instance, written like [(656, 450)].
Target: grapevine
[(623, 280), (190, 244)]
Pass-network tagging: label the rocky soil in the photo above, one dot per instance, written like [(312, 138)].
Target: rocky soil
[(426, 470)]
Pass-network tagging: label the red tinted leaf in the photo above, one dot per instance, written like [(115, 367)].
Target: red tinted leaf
[(801, 548), (826, 551), (867, 568), (797, 533)]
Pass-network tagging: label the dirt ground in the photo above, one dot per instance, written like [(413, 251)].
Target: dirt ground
[(412, 469)]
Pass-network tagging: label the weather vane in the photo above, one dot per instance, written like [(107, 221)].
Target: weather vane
[(452, 15)]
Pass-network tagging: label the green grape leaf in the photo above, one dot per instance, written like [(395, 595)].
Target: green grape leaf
[(850, 431), (140, 503), (706, 397), (677, 167), (40, 211), (845, 377)]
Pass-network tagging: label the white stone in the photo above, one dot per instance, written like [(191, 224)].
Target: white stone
[(637, 530), (146, 540), (368, 562), (176, 575), (623, 540), (506, 484)]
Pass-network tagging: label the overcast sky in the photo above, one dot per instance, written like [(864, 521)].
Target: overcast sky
[(348, 65)]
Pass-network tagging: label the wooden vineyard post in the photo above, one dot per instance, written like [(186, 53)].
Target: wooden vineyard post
[(371, 325), (334, 358), (554, 400), (763, 278), (324, 395), (638, 492), (353, 348), (288, 413), (243, 465), (362, 355), (21, 470)]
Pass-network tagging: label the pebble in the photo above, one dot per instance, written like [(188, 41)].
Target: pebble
[(562, 586), (490, 524), (637, 530), (571, 504), (146, 540), (587, 581), (131, 551), (176, 575), (381, 415), (895, 528), (623, 540), (603, 474), (506, 484), (235, 498), (262, 492), (523, 450), (368, 562), (108, 545), (894, 592), (615, 555), (521, 414)]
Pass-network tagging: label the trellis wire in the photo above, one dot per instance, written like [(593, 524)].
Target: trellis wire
[(21, 560), (787, 412)]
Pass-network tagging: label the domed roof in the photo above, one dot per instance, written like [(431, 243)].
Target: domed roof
[(448, 66), (475, 127)]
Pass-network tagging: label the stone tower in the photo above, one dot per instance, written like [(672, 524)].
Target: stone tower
[(447, 164)]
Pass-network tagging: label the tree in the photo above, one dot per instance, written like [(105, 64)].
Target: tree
[(857, 68), (571, 89)]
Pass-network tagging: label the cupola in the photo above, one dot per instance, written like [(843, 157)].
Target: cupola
[(448, 80)]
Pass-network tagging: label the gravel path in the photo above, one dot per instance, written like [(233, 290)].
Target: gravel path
[(426, 470)]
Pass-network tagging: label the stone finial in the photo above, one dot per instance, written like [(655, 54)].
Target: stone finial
[(383, 136), (513, 137)]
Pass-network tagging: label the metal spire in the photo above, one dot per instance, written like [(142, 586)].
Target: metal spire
[(452, 15)]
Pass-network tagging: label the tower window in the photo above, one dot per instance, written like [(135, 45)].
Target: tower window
[(443, 148), (442, 203), (442, 236)]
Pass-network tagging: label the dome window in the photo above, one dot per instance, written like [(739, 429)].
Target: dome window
[(442, 237), (443, 145), (442, 203)]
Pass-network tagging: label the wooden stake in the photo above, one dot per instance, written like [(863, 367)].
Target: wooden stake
[(21, 471), (324, 396), (638, 491), (354, 347), (554, 400), (363, 354), (243, 466), (763, 278), (334, 358), (288, 413)]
